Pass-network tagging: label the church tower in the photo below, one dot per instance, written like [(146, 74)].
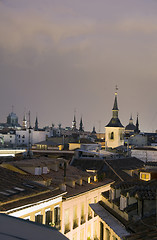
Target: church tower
[(114, 130), (24, 123)]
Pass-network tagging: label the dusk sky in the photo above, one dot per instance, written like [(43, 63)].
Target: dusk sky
[(60, 55)]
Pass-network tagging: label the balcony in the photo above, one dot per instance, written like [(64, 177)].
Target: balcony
[(83, 219), (89, 216), (67, 228), (58, 224)]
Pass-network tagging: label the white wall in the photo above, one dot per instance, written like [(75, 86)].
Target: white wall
[(112, 143), (22, 136)]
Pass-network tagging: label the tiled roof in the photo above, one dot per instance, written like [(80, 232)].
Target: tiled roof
[(15, 190), (85, 187), (144, 229), (139, 189)]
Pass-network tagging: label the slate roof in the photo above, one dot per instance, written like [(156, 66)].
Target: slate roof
[(144, 229), (113, 169), (114, 122), (130, 127), (12, 228), (140, 189)]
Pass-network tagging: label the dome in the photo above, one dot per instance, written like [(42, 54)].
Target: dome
[(130, 127), (12, 119)]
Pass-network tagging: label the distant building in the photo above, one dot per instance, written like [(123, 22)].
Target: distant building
[(12, 122), (130, 128)]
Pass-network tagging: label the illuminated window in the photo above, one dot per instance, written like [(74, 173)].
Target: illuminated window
[(66, 220), (82, 214), (145, 176), (88, 179), (89, 210), (95, 178), (75, 219)]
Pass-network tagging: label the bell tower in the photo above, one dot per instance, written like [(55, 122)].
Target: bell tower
[(114, 130)]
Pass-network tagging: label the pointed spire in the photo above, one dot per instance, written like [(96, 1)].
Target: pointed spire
[(36, 124), (81, 125), (115, 105), (131, 120), (24, 122), (94, 131), (137, 125), (74, 122)]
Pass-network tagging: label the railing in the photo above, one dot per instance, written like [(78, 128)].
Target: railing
[(83, 219), (67, 228), (58, 224), (75, 223), (89, 215)]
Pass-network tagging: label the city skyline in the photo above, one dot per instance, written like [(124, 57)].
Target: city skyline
[(58, 56)]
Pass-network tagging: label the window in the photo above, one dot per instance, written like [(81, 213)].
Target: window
[(89, 232), (66, 220), (145, 176), (38, 218), (107, 234), (95, 230), (89, 210), (75, 219), (57, 217), (95, 201), (112, 135), (48, 217), (82, 214), (95, 178)]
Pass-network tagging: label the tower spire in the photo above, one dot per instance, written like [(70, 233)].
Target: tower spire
[(36, 124), (115, 105), (137, 125), (74, 122), (81, 125)]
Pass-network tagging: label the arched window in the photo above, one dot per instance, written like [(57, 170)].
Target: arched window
[(112, 135)]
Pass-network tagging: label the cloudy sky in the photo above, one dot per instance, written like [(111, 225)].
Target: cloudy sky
[(60, 55)]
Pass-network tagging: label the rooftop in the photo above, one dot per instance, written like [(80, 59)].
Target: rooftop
[(22, 229), (110, 220)]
